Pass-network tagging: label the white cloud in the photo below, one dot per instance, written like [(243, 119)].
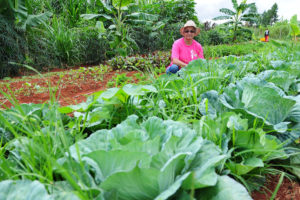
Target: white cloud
[(208, 9)]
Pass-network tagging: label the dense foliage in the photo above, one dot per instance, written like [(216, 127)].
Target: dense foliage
[(56, 33), (12, 47), (50, 33), (270, 16), (242, 12), (212, 131)]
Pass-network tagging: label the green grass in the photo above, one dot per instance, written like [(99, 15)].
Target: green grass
[(234, 49)]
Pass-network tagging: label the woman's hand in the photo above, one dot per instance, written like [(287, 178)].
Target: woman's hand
[(176, 61)]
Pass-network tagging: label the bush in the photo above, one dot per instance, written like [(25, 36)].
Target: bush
[(92, 49), (12, 48), (214, 36), (149, 41), (41, 52), (65, 41), (203, 38), (65, 46), (157, 59), (281, 30), (244, 35), (173, 14), (168, 36), (61, 44)]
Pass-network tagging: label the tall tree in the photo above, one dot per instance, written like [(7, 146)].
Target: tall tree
[(270, 16), (274, 15), (241, 13), (295, 30), (265, 18), (255, 19)]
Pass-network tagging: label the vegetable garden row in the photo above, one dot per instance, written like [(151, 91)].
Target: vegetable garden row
[(213, 131)]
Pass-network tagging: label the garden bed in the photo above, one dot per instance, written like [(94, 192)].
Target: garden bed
[(70, 86), (73, 86)]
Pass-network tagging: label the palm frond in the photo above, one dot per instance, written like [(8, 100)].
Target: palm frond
[(35, 20), (248, 19), (235, 4), (102, 17), (143, 16), (227, 11), (222, 17)]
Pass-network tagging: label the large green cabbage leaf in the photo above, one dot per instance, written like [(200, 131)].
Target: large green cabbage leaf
[(261, 100), (281, 79), (225, 189), (23, 189), (151, 160)]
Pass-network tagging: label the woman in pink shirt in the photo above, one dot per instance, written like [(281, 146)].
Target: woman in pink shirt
[(186, 48)]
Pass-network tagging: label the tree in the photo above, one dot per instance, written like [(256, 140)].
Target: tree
[(295, 30), (270, 16), (17, 11), (114, 24), (15, 20), (274, 15), (255, 19), (242, 12), (265, 18)]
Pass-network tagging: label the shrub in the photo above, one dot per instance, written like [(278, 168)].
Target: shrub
[(203, 38), (280, 30), (64, 41), (157, 59), (92, 49), (173, 14), (12, 47), (215, 37), (65, 47), (244, 35), (41, 52)]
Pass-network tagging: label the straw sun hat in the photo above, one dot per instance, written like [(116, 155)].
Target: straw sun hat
[(190, 23)]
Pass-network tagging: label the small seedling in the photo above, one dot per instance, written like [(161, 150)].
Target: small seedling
[(110, 84)]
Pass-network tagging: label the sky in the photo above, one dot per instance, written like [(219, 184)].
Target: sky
[(208, 9)]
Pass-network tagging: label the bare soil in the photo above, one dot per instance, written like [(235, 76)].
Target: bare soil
[(71, 88), (289, 190)]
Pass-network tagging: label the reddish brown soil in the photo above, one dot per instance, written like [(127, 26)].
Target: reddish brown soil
[(289, 190), (72, 88)]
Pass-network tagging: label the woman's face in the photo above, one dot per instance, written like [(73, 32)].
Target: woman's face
[(189, 32)]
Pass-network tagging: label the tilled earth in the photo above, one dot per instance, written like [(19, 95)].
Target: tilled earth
[(69, 88)]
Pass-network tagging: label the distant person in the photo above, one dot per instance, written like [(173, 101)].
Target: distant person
[(267, 32), (186, 48)]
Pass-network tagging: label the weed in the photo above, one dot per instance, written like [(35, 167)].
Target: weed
[(121, 79), (110, 84)]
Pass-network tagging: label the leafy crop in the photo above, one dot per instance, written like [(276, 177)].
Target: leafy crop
[(212, 131), (141, 62)]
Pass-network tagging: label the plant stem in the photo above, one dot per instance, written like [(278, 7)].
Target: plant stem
[(278, 186)]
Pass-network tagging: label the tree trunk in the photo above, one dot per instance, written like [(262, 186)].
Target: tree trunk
[(234, 33)]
